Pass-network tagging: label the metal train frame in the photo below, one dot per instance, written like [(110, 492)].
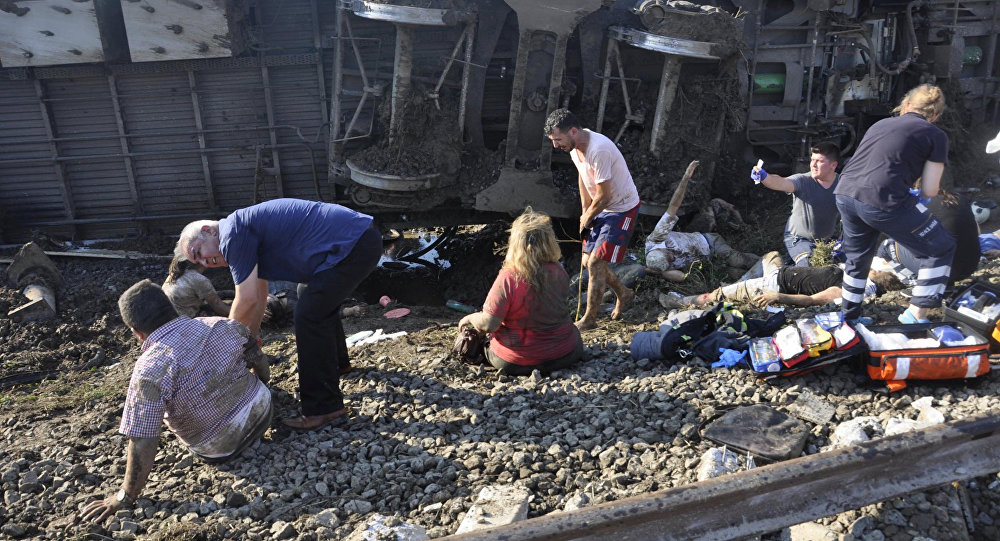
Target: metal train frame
[(123, 117)]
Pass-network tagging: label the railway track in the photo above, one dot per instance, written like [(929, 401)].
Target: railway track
[(772, 497)]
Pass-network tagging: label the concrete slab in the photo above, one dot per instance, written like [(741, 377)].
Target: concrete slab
[(496, 506)]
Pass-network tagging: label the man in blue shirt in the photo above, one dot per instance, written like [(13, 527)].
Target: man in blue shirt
[(328, 248)]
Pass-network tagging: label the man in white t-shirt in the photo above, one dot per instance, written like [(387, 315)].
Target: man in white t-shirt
[(609, 204)]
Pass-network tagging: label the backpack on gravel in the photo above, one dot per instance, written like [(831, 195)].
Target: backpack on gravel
[(469, 347)]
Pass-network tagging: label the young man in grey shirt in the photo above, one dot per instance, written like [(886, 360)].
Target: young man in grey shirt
[(814, 208)]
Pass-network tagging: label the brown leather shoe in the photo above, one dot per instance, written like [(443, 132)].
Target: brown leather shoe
[(312, 422)]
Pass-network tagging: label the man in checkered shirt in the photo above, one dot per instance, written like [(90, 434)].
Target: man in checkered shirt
[(192, 374)]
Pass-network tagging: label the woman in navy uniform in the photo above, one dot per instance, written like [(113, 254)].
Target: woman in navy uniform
[(874, 197)]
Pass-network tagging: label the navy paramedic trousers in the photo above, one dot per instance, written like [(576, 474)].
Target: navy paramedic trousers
[(913, 227)]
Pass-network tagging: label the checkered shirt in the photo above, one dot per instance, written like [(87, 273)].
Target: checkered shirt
[(191, 374)]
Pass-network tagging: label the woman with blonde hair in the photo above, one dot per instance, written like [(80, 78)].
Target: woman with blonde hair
[(525, 313), (874, 197)]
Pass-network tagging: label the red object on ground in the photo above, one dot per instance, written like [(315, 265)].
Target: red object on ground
[(384, 300), (397, 312)]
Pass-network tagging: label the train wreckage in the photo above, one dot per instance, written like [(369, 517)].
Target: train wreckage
[(128, 117)]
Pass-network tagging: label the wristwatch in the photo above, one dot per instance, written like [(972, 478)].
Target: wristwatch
[(123, 497)]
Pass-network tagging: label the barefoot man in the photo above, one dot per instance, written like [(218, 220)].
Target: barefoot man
[(609, 204)]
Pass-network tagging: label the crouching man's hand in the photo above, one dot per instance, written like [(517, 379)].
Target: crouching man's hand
[(98, 511)]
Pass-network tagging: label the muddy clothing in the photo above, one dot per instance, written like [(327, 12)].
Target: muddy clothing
[(604, 163), (192, 375), (189, 292), (989, 241), (961, 223), (808, 281), (791, 281), (289, 239), (813, 217), (536, 327), (873, 197), (609, 235), (667, 249), (957, 220), (890, 158), (329, 249)]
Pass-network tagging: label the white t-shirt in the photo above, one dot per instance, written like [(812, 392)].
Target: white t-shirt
[(667, 249), (602, 163), (188, 292)]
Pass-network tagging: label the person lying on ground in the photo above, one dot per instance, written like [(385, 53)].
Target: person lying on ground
[(327, 247), (282, 298), (525, 312), (192, 375), (814, 209), (609, 204), (670, 253), (188, 289), (955, 214), (796, 286)]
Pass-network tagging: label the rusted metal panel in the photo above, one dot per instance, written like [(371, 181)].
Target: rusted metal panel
[(176, 29), (159, 120), (44, 32), (89, 147), (286, 26), (235, 121), (296, 102)]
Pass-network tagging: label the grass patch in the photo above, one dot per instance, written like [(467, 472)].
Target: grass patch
[(822, 254)]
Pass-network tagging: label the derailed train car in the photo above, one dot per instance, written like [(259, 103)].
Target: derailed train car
[(122, 117)]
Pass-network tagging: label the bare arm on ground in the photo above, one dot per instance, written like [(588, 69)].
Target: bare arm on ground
[(829, 294), (139, 462)]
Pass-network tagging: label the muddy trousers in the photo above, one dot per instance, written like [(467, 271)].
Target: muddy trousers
[(800, 249), (910, 225), (545, 368), (319, 333)]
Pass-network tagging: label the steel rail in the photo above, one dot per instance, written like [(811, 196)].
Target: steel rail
[(772, 497)]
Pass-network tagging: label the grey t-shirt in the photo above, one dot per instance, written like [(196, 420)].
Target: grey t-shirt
[(814, 208)]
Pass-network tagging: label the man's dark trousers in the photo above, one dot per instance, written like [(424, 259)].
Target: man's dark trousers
[(319, 333)]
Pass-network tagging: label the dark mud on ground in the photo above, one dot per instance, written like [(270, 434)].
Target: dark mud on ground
[(428, 140)]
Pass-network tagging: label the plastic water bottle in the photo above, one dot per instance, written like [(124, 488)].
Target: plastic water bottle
[(455, 305)]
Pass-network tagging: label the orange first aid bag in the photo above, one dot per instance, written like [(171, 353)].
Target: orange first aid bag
[(895, 365)]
